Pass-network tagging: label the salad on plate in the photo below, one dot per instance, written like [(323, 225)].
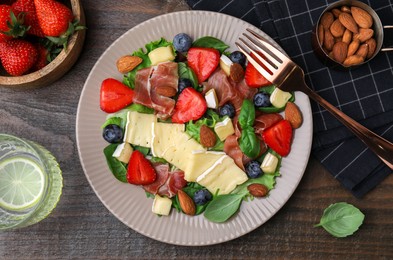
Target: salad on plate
[(197, 127)]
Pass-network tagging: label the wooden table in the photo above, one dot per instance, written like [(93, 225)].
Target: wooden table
[(82, 228)]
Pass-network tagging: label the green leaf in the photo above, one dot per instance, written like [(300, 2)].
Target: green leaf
[(269, 90), (112, 121), (187, 73), (117, 168), (247, 114), (222, 207), (141, 108), (249, 143), (190, 189), (210, 42), (142, 149), (341, 219)]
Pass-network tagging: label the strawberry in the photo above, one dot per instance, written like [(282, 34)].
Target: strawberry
[(18, 56), (279, 137), (139, 170), (114, 95), (42, 59), (253, 78), (190, 105), (30, 19), (203, 61), (10, 25), (53, 17)]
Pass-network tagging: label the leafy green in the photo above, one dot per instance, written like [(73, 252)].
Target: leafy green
[(141, 108), (190, 189), (117, 168), (269, 90), (187, 73), (112, 121), (341, 219), (247, 114), (222, 207), (248, 143), (210, 42), (142, 149)]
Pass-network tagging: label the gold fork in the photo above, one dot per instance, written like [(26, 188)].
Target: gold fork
[(288, 76)]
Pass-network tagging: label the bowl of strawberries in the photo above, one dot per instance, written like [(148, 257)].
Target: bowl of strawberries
[(40, 40)]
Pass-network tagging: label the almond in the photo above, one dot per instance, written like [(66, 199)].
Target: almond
[(236, 72), (258, 190), (326, 20), (321, 34), (337, 29), (207, 136), (353, 60), (347, 20), (336, 12), (186, 203), (127, 63), (353, 47), (328, 40), (340, 50), (165, 91), (372, 45), (361, 17), (345, 9), (293, 115), (363, 50), (364, 34), (347, 36)]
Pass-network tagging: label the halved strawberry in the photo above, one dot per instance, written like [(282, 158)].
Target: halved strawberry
[(253, 78), (203, 61), (191, 105), (279, 137), (140, 171), (114, 95)]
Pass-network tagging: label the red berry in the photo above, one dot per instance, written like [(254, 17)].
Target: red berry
[(18, 56), (190, 105), (140, 171), (279, 137), (114, 95), (203, 61), (30, 18)]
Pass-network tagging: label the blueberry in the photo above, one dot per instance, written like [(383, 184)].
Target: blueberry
[(227, 110), (253, 169), (262, 99), (238, 57), (182, 84), (201, 197), (112, 133), (182, 42)]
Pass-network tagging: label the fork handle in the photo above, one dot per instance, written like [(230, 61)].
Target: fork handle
[(380, 146)]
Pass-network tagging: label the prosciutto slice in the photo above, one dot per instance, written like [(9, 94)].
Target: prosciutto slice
[(162, 171), (265, 121), (142, 88)]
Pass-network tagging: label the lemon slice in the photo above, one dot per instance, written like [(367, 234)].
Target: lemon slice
[(22, 183)]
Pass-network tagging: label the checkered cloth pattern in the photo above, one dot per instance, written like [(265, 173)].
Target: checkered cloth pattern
[(365, 93)]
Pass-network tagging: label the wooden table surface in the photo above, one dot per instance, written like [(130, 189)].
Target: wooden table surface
[(82, 228)]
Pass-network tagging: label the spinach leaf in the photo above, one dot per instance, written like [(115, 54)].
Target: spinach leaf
[(141, 108), (249, 143), (341, 219), (269, 90), (190, 189), (187, 73), (210, 42), (247, 114), (142, 149), (117, 168), (222, 207), (112, 121)]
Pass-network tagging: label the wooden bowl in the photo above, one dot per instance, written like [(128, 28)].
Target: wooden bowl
[(59, 66)]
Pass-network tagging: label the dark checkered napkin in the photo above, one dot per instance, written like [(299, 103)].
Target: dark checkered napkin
[(364, 94)]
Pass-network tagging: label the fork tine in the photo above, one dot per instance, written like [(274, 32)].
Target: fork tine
[(263, 60), (268, 57)]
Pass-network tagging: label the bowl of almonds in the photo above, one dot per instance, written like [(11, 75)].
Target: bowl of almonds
[(348, 34)]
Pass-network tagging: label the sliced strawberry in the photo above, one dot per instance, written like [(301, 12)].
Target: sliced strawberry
[(114, 95), (190, 105), (253, 78), (203, 61), (279, 137), (140, 171)]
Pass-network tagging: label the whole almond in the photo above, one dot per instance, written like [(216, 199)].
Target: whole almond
[(293, 115), (328, 41), (347, 36), (353, 47), (321, 34), (207, 136), (186, 203), (166, 91), (353, 60), (363, 50), (337, 29), (258, 190), (372, 45), (345, 9), (340, 50), (347, 20), (127, 63), (326, 20), (364, 34), (336, 12), (361, 17), (236, 72)]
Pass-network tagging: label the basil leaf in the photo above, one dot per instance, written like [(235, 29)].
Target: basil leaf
[(341, 219), (141, 108), (117, 168), (187, 73), (222, 207), (249, 143), (247, 114), (210, 42)]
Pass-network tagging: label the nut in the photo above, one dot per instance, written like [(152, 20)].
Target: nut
[(363, 50), (328, 40), (236, 72), (353, 60), (372, 45), (336, 12), (361, 17), (347, 36), (207, 137), (353, 47), (127, 63), (340, 50), (337, 29), (345, 9), (364, 34), (321, 34), (293, 115), (347, 20), (165, 91), (327, 20), (186, 203), (258, 190)]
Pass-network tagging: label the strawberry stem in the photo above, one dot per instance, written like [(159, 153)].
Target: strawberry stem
[(16, 26)]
